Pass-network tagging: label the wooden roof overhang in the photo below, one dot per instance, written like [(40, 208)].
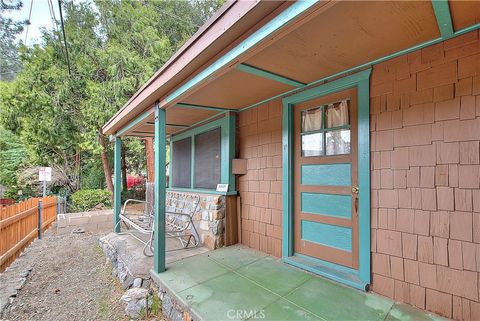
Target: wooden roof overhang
[(273, 49)]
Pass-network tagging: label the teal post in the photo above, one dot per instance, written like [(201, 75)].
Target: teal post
[(228, 151), (117, 184), (160, 182)]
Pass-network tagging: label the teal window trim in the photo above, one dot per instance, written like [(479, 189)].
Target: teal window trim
[(361, 81), (227, 125)]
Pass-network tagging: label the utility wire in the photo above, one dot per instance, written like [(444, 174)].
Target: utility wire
[(64, 35), (52, 16), (28, 23)]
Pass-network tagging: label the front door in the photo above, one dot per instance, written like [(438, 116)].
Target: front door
[(325, 178)]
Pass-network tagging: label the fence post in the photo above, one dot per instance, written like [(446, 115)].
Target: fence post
[(40, 210)]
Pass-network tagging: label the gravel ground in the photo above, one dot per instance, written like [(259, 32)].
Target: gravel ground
[(70, 280)]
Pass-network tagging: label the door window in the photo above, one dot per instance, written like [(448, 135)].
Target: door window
[(326, 129)]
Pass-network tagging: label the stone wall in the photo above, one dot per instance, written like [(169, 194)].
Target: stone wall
[(259, 133), (425, 123), (209, 218), (94, 222)]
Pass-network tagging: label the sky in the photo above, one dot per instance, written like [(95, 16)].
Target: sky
[(40, 18)]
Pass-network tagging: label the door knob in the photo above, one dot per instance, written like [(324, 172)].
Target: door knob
[(355, 190)]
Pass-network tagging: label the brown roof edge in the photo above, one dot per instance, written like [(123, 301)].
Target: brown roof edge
[(232, 10)]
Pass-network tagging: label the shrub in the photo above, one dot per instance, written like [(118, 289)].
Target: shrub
[(87, 199)]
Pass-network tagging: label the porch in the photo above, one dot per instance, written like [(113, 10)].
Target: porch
[(239, 283), (341, 134)]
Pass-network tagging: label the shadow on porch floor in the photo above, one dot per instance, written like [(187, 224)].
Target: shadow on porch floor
[(238, 283)]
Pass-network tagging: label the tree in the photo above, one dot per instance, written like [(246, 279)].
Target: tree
[(114, 47), (9, 29)]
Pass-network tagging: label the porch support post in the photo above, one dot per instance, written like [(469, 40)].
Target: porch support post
[(160, 181), (117, 184)]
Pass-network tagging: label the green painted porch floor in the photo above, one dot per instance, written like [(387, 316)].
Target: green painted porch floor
[(238, 283)]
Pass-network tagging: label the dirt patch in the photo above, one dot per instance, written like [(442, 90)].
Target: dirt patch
[(70, 280)]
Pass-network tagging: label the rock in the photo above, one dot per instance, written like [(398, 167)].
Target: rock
[(136, 300), (24, 274), (78, 230), (137, 283), (168, 309), (217, 227), (20, 284)]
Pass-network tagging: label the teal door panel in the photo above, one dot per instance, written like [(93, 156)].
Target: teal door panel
[(327, 204), (339, 237), (327, 175)]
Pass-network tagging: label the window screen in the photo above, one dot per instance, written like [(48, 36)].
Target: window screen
[(207, 159), (181, 162)]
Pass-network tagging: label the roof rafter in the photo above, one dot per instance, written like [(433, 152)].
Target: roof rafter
[(444, 19), (268, 75)]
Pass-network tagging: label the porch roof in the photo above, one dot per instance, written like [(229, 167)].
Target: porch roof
[(252, 52)]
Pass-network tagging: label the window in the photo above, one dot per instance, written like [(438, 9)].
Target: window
[(201, 156), (181, 162), (326, 129), (207, 159)]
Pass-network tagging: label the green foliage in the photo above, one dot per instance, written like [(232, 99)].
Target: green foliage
[(114, 47), (87, 199), (12, 156), (9, 29), (92, 174)]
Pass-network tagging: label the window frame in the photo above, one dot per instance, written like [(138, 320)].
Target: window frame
[(227, 125), (324, 130)]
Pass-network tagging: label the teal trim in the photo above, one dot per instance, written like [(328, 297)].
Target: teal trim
[(117, 184), (338, 237), (192, 106), (134, 123), (227, 125), (228, 133), (269, 75), (160, 190), (201, 191), (329, 270), (444, 19), (278, 22), (170, 142), (327, 204), (361, 81), (287, 183), (363, 66), (364, 178), (327, 175)]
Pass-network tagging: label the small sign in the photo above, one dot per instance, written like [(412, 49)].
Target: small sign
[(222, 188), (45, 174)]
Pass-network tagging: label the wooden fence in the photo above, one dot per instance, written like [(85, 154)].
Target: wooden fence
[(19, 226)]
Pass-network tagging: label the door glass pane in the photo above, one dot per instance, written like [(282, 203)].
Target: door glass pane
[(312, 145), (337, 114), (338, 142), (311, 119)]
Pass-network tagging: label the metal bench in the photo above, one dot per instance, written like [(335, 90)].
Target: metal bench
[(178, 222)]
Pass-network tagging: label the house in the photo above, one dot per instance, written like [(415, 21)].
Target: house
[(348, 131)]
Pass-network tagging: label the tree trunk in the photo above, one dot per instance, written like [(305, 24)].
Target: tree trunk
[(106, 166), (124, 167), (150, 155)]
